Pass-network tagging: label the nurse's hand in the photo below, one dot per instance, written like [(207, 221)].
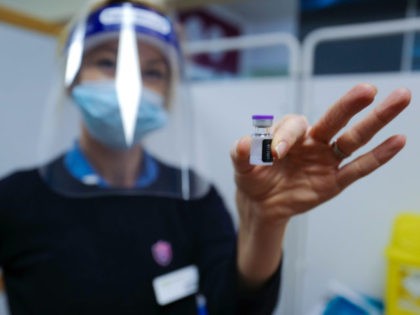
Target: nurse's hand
[(307, 170)]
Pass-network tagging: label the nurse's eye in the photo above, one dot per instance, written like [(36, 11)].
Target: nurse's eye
[(155, 75), (106, 64)]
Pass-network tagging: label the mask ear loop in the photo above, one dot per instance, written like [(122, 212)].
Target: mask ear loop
[(128, 81)]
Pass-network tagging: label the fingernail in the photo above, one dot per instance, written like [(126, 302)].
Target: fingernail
[(281, 149)]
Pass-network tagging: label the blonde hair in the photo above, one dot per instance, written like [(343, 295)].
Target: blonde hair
[(158, 5)]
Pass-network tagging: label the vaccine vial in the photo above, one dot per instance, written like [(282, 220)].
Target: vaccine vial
[(261, 140)]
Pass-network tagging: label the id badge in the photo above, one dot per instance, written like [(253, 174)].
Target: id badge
[(176, 285)]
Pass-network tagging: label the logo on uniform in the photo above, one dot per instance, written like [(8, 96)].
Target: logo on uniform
[(162, 253)]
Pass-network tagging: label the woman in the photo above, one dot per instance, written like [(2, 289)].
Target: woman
[(106, 228)]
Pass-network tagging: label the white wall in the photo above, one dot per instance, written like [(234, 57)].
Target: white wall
[(26, 63)]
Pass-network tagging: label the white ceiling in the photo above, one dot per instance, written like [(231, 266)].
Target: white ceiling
[(248, 10)]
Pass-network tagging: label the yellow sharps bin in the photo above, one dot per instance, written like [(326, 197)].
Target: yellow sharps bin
[(403, 275)]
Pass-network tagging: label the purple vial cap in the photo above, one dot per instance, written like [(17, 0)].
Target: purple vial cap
[(262, 117)]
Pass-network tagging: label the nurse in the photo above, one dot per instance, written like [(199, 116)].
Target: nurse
[(111, 227)]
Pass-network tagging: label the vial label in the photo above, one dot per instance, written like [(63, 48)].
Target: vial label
[(261, 151), (266, 151)]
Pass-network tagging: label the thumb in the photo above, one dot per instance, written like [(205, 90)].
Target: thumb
[(240, 153)]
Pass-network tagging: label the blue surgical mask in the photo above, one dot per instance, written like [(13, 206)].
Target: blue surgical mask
[(100, 109)]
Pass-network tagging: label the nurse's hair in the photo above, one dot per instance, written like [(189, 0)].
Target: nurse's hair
[(158, 5)]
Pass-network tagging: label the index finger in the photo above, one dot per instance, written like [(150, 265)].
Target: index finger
[(338, 115)]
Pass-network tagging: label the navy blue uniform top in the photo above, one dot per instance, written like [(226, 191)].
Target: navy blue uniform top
[(74, 255)]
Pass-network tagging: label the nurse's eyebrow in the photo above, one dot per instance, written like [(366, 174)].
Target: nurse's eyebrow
[(108, 47), (156, 61), (113, 50)]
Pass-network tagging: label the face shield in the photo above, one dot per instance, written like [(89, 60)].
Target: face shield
[(122, 123)]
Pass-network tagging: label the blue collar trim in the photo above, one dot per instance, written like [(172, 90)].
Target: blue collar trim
[(80, 168)]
